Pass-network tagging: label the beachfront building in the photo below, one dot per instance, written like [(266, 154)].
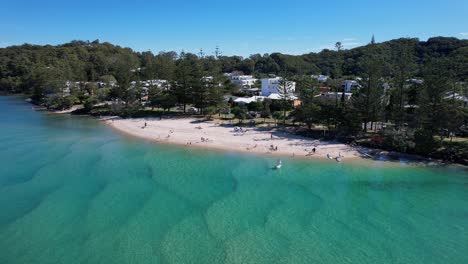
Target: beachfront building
[(244, 81), (320, 78), (248, 100), (149, 83), (273, 96), (271, 86), (210, 79)]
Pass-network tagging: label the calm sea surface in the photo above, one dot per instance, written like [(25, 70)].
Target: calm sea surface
[(74, 191)]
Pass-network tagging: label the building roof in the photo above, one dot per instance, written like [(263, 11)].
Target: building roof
[(457, 97), (275, 96), (248, 100)]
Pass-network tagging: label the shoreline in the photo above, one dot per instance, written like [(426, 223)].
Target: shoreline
[(354, 153), (192, 132), (133, 127)]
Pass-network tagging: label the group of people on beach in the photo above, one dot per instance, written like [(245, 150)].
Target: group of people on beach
[(240, 129), (203, 139), (249, 148)]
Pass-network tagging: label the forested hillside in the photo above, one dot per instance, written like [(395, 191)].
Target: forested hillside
[(23, 67)]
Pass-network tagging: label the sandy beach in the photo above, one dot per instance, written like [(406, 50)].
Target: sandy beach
[(192, 132)]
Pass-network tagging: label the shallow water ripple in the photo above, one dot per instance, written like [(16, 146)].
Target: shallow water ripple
[(73, 191)]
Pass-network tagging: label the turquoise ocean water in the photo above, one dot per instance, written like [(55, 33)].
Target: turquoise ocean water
[(72, 190)]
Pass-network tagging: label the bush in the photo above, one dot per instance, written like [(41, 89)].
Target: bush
[(255, 106), (102, 94), (210, 110), (239, 112), (277, 115), (265, 113), (89, 103), (398, 140), (129, 111), (424, 142), (59, 102), (307, 114)]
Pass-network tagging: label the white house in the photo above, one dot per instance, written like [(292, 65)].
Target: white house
[(415, 81), (248, 100), (244, 81), (207, 78), (320, 78), (275, 96), (271, 85), (349, 85), (458, 97)]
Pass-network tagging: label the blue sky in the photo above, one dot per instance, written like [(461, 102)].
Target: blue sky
[(238, 27)]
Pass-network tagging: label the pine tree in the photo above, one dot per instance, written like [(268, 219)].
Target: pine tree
[(368, 101), (187, 79), (285, 92), (403, 70), (432, 106)]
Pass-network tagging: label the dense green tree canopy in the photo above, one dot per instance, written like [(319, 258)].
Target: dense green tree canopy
[(90, 61)]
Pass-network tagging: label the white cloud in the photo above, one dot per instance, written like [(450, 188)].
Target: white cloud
[(464, 34), (4, 44), (350, 44)]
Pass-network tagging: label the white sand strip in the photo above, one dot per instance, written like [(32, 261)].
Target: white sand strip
[(208, 134)]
